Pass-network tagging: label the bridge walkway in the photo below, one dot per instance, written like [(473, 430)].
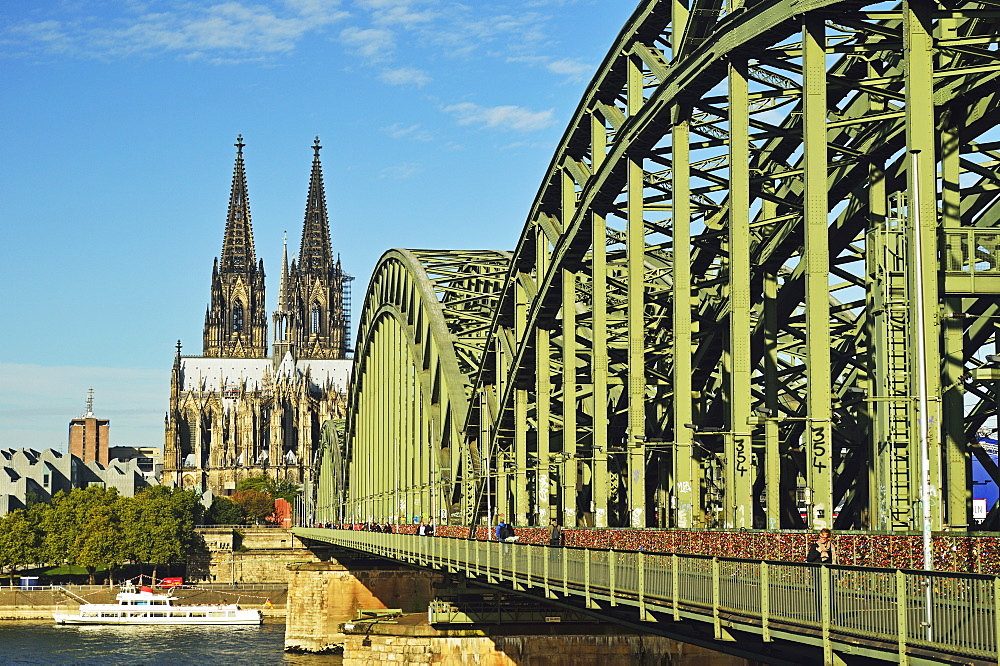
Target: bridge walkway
[(891, 615)]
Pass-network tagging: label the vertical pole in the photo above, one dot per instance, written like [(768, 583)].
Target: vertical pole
[(543, 389), (521, 499), (612, 575), (599, 339), (996, 617), (923, 404), (902, 628), (545, 573), (920, 143), (716, 599), (772, 454), (819, 443), (739, 500), (765, 601), (635, 251), (675, 585), (568, 477), (826, 605), (772, 451), (641, 592), (683, 458)]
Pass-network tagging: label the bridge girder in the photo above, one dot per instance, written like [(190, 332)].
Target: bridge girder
[(680, 342)]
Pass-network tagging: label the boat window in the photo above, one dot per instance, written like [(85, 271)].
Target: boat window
[(197, 614), (109, 614), (141, 603), (155, 614)]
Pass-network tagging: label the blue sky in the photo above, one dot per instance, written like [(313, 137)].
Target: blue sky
[(437, 120)]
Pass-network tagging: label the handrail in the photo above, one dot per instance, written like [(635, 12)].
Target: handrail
[(840, 603), (70, 594)]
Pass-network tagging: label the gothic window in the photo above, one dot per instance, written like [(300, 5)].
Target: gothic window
[(238, 318), (315, 319)]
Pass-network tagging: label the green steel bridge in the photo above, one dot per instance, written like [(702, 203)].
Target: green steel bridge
[(758, 284), (757, 289)]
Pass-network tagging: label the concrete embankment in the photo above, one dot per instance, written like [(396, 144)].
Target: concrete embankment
[(39, 604)]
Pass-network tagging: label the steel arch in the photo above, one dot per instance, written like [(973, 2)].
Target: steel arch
[(422, 333), (684, 342)]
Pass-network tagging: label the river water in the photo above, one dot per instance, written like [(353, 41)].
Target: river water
[(30, 642)]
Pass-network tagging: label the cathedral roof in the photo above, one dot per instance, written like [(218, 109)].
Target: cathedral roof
[(201, 373)]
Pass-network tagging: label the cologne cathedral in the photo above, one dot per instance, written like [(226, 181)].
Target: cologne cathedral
[(236, 411)]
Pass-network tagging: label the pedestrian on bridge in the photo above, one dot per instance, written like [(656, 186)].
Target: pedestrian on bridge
[(555, 533), (822, 550)]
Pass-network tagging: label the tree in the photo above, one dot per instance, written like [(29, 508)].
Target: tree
[(160, 525), (100, 542), (20, 541), (255, 504), (83, 528), (224, 512), (274, 487)]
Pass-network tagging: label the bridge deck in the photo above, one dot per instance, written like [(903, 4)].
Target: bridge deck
[(894, 615)]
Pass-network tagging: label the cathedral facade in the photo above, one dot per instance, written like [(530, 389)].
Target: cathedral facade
[(237, 411)]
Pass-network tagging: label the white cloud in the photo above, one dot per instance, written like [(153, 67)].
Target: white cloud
[(371, 44), (398, 12), (397, 131), (502, 117), (232, 31), (401, 171), (574, 70), (401, 76)]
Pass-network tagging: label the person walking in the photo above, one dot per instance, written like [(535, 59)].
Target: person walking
[(555, 534), (501, 529), (822, 550)]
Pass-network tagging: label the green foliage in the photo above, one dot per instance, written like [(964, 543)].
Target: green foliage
[(255, 504), (274, 487), (95, 527), (20, 540), (224, 512)]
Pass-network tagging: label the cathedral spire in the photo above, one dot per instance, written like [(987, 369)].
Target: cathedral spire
[(314, 295), (236, 322), (314, 253), (285, 287), (237, 245), (285, 321)]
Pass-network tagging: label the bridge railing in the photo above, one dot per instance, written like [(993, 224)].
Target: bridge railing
[(945, 612)]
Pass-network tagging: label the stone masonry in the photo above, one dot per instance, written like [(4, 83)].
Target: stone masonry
[(324, 595)]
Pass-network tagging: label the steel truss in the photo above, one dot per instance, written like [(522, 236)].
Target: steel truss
[(712, 317), (423, 333)]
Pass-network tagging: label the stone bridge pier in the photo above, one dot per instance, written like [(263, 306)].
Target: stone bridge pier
[(322, 596)]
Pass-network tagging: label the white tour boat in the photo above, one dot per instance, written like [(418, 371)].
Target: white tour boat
[(145, 607)]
